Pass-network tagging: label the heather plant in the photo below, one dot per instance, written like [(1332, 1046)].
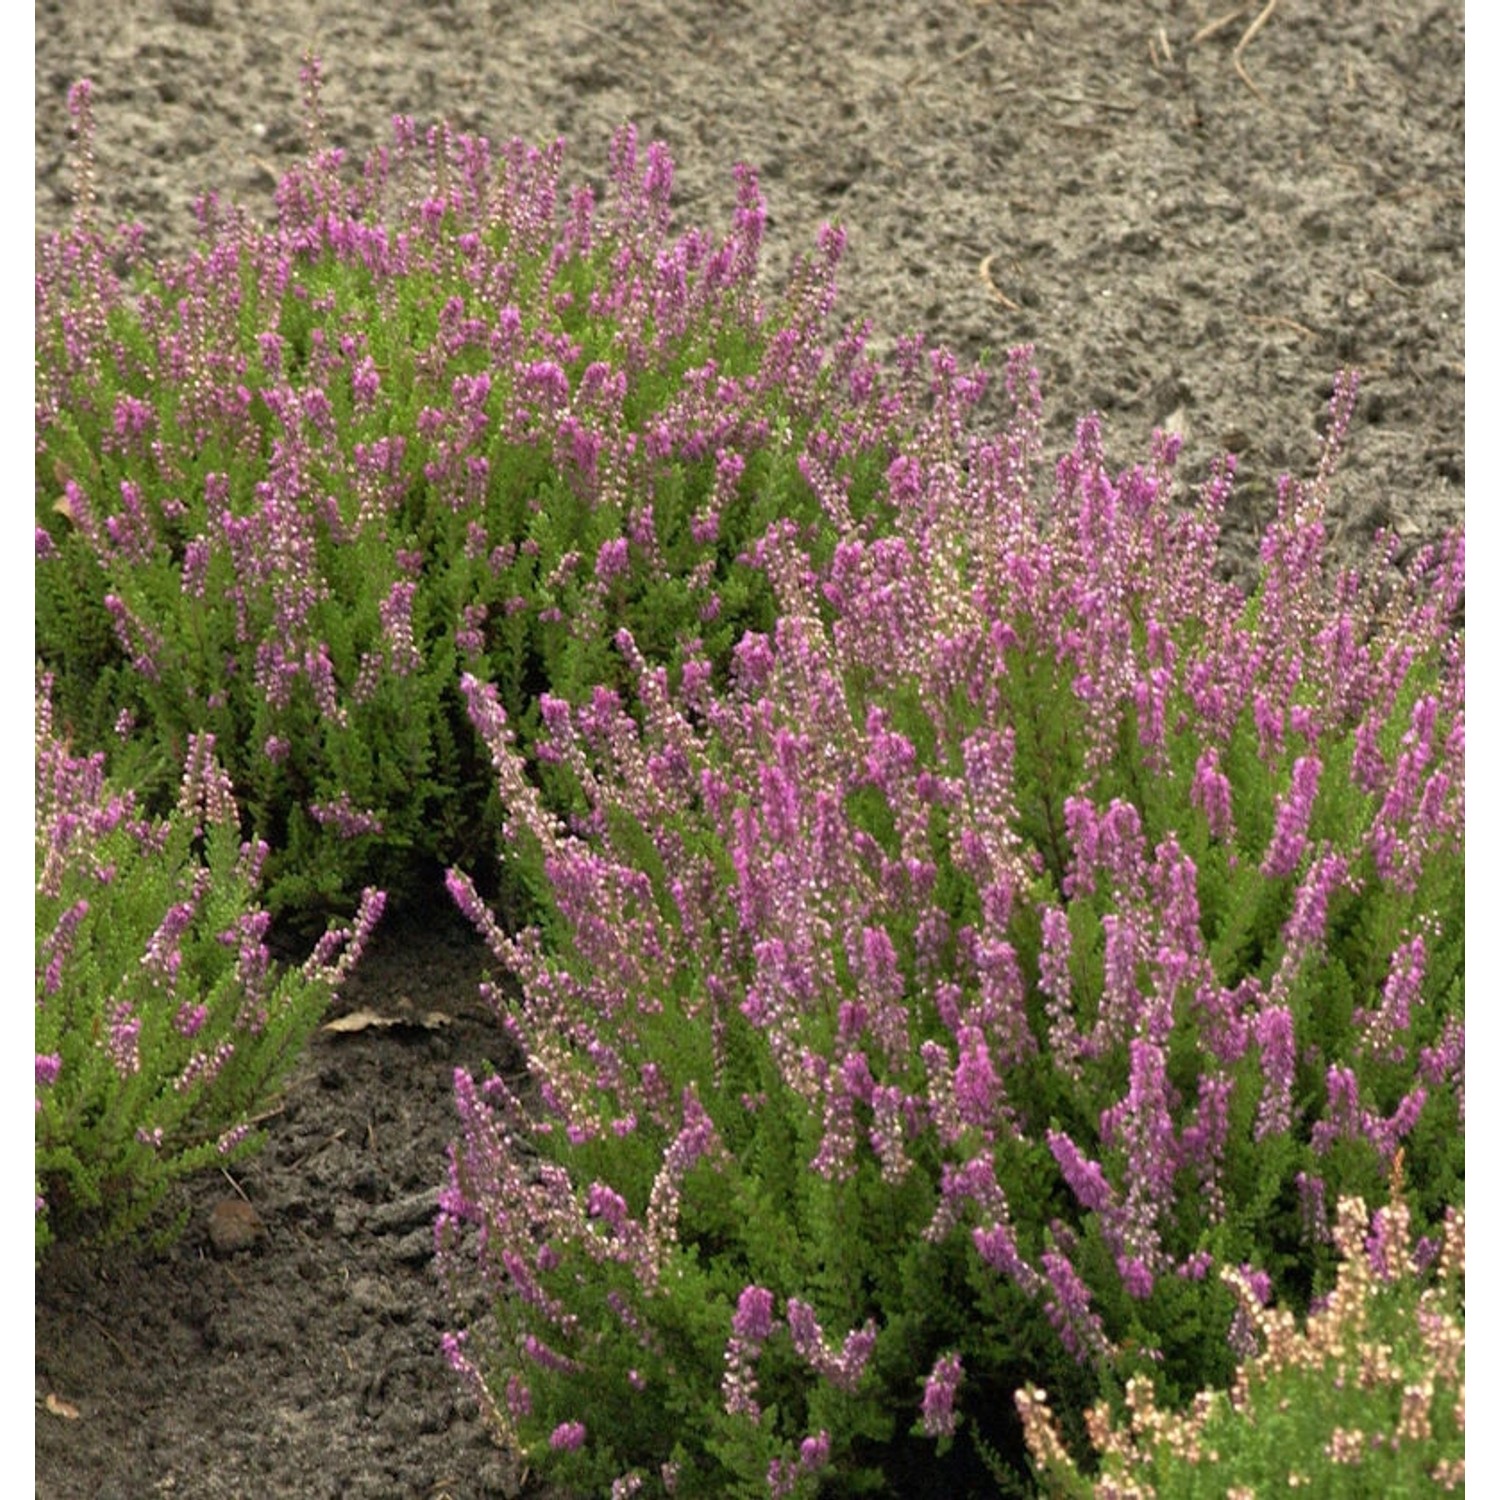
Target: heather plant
[(1365, 1399), (163, 1026), (293, 485), (1033, 929)]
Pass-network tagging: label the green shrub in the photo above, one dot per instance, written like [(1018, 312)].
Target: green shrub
[(1032, 926), (163, 1026), (1365, 1399), (292, 486)]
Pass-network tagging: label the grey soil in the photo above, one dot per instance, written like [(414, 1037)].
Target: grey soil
[(1183, 246)]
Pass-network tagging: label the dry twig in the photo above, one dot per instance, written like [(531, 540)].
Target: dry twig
[(1244, 41), (995, 292), (1274, 321), (1213, 28), (923, 74), (1390, 281)]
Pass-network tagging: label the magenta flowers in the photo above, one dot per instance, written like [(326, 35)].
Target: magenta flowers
[(943, 919), (996, 921), (162, 1024), (291, 488)]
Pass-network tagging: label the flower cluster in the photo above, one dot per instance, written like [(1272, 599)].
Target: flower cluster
[(443, 418), (943, 919), (1372, 1382)]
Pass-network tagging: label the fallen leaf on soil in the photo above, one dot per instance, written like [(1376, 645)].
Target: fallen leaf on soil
[(366, 1020), (60, 1408)]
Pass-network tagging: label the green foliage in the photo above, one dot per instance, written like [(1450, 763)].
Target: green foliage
[(973, 807), (162, 1028), (261, 446), (1364, 1397)]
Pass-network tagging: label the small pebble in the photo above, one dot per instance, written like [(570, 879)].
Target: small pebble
[(193, 12), (234, 1226)]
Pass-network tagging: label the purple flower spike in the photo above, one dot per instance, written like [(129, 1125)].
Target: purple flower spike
[(937, 1396), (567, 1437)]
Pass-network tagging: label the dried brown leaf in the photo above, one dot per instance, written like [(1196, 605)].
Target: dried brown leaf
[(368, 1020)]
